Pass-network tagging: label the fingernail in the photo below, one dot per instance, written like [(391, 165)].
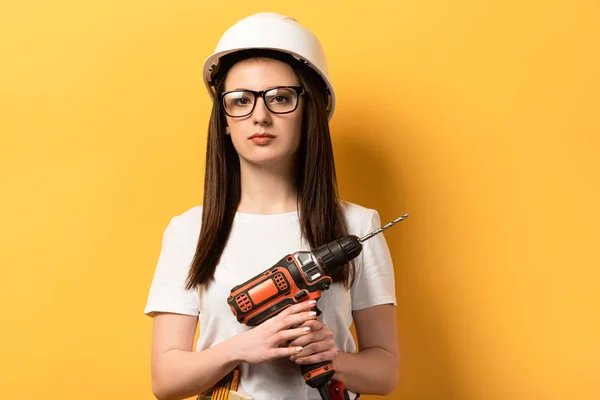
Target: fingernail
[(299, 361), (312, 302), (312, 313), (306, 329), (298, 349), (291, 358)]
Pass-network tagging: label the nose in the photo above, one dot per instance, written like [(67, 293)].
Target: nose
[(261, 114)]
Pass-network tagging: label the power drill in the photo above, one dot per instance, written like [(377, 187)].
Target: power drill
[(298, 277)]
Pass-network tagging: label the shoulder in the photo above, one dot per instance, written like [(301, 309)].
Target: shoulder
[(359, 219), (186, 225)]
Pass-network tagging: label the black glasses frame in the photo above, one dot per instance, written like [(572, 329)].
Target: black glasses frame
[(298, 89)]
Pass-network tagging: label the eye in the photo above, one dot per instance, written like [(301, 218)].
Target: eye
[(279, 99), (242, 101), (239, 99)]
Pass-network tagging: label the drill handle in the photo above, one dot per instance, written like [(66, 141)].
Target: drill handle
[(317, 310), (317, 375)]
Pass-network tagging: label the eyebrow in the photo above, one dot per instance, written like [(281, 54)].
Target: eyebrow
[(267, 88)]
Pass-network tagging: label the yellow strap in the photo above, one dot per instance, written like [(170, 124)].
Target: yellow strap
[(221, 391), (233, 395)]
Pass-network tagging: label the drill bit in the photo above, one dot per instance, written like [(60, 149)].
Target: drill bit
[(377, 231)]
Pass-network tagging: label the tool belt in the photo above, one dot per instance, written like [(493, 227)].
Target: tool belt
[(226, 389)]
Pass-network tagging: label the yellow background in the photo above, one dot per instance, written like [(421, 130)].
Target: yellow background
[(478, 118)]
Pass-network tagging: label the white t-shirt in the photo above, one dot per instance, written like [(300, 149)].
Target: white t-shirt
[(255, 244)]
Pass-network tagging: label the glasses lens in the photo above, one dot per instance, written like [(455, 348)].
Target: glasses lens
[(238, 104), (281, 100)]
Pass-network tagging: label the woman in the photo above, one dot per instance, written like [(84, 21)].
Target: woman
[(270, 190)]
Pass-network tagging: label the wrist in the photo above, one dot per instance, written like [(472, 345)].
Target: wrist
[(234, 351), (338, 366)]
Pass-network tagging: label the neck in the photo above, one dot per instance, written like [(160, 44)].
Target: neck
[(267, 189)]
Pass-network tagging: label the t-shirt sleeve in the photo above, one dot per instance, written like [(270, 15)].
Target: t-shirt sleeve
[(167, 291), (374, 279)]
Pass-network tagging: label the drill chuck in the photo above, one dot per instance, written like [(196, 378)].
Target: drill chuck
[(333, 255)]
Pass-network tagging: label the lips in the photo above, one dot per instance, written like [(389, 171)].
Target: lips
[(261, 139), (261, 135)]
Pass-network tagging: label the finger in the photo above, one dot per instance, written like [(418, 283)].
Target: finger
[(314, 324), (315, 348), (286, 335), (318, 332), (281, 352), (275, 324), (303, 340), (317, 358), (295, 319), (296, 308), (312, 337)]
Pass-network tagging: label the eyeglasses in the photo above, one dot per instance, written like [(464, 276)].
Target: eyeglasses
[(279, 100)]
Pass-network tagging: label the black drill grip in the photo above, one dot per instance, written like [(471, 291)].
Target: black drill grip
[(317, 375)]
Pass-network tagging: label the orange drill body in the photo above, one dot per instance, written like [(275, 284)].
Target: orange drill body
[(295, 278)]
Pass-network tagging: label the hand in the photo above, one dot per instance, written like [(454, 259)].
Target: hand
[(264, 342), (318, 344)]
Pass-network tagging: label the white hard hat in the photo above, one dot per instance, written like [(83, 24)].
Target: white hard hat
[(271, 31)]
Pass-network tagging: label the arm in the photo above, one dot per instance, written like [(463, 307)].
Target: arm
[(374, 369), (178, 372)]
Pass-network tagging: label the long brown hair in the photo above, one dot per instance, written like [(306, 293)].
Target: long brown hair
[(320, 211)]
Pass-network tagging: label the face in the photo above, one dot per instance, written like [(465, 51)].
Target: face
[(280, 132)]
